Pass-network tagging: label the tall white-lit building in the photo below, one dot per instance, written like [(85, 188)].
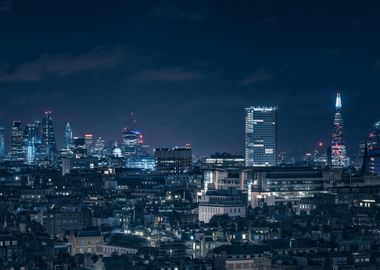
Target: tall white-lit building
[(339, 157), (260, 136), (68, 137)]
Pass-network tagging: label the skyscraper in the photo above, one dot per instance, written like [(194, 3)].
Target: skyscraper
[(17, 150), (32, 142), (89, 141), (48, 137), (261, 136), (99, 148), (132, 141), (371, 152), (374, 137), (339, 157), (28, 144), (2, 143), (68, 137)]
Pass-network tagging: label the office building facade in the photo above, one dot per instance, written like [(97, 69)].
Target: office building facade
[(221, 202), (48, 137), (261, 136), (175, 160), (17, 150), (279, 185)]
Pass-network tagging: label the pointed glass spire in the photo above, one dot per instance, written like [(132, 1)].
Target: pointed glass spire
[(339, 157), (67, 139), (338, 103)]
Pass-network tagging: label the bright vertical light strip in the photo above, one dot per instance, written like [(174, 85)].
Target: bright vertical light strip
[(338, 103)]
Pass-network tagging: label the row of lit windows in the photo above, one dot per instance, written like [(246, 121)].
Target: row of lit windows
[(8, 243), (217, 210)]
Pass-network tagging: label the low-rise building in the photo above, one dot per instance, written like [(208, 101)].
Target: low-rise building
[(85, 242), (221, 202)]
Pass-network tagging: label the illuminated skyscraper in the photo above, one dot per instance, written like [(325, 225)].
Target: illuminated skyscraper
[(89, 141), (79, 147), (261, 136), (68, 137), (17, 150), (374, 137), (32, 143), (371, 152), (48, 137), (29, 144), (339, 157), (100, 148), (2, 143), (132, 141)]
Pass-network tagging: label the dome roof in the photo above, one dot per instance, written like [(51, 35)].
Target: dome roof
[(116, 152)]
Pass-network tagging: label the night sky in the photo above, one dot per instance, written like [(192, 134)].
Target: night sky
[(189, 68)]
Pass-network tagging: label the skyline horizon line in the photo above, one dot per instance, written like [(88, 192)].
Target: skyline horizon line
[(118, 139)]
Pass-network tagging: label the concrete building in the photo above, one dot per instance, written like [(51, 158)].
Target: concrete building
[(85, 242), (175, 160), (224, 178), (283, 185), (66, 219), (221, 202)]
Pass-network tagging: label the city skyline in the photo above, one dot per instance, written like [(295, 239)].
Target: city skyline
[(131, 125), (161, 62), (189, 135)]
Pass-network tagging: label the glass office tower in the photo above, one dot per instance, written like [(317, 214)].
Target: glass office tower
[(17, 150), (68, 137), (261, 136), (48, 137)]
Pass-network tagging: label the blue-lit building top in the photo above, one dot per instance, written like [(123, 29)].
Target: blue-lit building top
[(68, 137), (261, 136)]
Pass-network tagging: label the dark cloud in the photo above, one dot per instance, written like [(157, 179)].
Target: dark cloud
[(5, 6), (36, 96), (175, 74), (331, 52), (256, 77), (61, 65), (172, 10)]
